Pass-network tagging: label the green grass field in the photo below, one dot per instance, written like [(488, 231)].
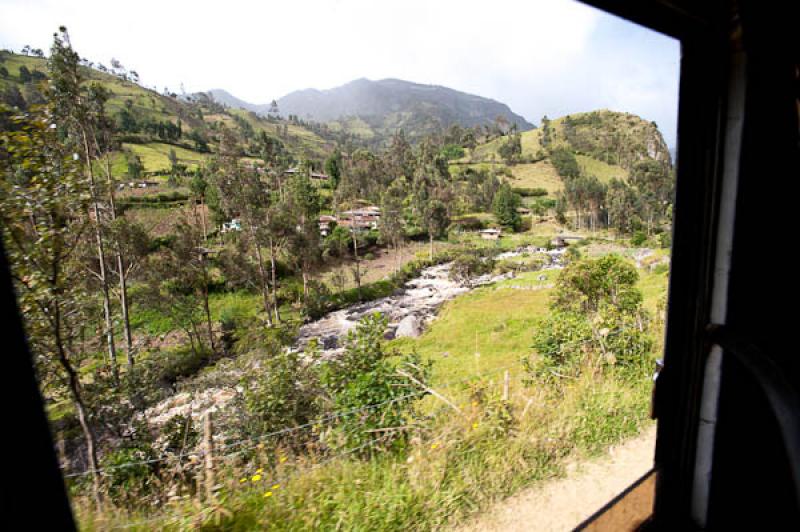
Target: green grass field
[(537, 175), (601, 170), (155, 156), (492, 327)]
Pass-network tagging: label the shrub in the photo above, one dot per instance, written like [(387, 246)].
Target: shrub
[(282, 394), (452, 151), (135, 482), (467, 223), (638, 238), (365, 375), (468, 265), (529, 192)]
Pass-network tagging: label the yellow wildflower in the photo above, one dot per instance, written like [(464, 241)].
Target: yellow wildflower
[(475, 425), (242, 480), (256, 478), (268, 494), (434, 446), (260, 470), (282, 459), (276, 486)]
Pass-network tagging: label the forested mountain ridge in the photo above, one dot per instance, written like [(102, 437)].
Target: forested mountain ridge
[(381, 108)]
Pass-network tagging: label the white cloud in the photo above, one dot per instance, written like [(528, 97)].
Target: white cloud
[(537, 56)]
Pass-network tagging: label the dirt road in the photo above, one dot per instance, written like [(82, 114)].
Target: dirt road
[(563, 504)]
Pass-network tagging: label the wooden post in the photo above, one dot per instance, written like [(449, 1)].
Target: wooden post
[(63, 459), (208, 445), (506, 382)]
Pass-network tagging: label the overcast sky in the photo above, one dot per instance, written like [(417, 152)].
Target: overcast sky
[(538, 56)]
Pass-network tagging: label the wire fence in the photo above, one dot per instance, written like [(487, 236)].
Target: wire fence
[(274, 483), (241, 444), (279, 477)]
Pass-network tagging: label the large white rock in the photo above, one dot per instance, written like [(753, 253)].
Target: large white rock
[(408, 327)]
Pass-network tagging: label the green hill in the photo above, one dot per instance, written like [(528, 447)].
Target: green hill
[(151, 124), (606, 144)]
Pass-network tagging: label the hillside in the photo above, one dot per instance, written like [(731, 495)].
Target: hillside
[(371, 109), (144, 116), (616, 138), (606, 145)]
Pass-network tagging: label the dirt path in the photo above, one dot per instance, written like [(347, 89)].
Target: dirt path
[(563, 504)]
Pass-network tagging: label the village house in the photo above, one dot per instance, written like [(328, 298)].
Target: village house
[(234, 225), (137, 184), (364, 218), (490, 234), (326, 222)]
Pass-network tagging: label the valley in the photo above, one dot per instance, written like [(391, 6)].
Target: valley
[(386, 305)]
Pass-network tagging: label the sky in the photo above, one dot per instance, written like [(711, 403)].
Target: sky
[(541, 57)]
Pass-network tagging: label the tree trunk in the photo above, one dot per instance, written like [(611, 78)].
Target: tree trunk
[(274, 273), (263, 277), (123, 282), (357, 270), (430, 238), (74, 385), (101, 256), (203, 218), (123, 301), (208, 318)]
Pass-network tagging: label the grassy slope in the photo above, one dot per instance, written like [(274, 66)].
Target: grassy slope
[(355, 126), (302, 142), (541, 174), (603, 171), (155, 156), (496, 323), (536, 175)]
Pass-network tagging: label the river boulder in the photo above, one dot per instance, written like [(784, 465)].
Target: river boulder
[(409, 327)]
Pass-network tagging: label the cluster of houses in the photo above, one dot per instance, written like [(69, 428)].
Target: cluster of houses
[(137, 184), (314, 175), (362, 219)]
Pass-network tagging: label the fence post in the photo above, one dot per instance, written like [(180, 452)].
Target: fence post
[(506, 383), (208, 446), (63, 459)]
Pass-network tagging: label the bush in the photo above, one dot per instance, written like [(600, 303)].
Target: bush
[(318, 300), (638, 238), (366, 374), (290, 291), (282, 394), (468, 265), (131, 484), (526, 192), (467, 223), (452, 151)]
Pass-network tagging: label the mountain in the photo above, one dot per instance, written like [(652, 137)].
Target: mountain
[(379, 108), (226, 98)]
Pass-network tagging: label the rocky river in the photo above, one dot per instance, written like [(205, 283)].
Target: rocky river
[(409, 310)]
